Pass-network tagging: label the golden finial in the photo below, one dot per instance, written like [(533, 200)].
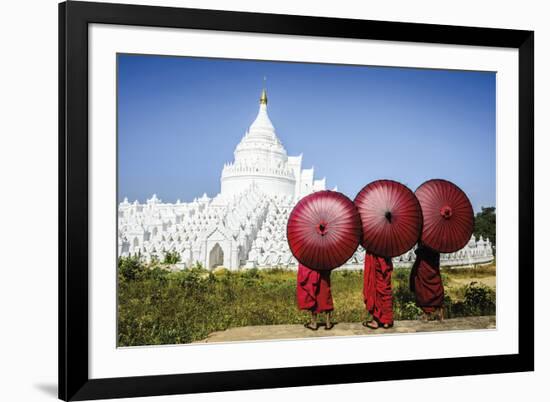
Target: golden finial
[(263, 98)]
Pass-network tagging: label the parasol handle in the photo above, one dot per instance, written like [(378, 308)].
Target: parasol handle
[(388, 216), (446, 212)]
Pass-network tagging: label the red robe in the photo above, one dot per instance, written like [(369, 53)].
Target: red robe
[(426, 281), (377, 291), (313, 290)]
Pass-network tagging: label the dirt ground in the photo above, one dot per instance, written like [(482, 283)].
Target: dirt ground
[(272, 332), (490, 281)]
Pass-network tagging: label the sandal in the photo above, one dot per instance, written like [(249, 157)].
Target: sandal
[(309, 326), (369, 324), (329, 326)]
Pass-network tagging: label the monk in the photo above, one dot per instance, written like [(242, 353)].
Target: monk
[(426, 283), (313, 294), (377, 291)]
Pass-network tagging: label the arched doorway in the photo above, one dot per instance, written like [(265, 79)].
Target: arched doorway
[(216, 256)]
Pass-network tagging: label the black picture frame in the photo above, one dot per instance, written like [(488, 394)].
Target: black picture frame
[(74, 18)]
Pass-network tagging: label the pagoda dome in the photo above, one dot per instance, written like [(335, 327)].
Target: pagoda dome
[(261, 141), (260, 160)]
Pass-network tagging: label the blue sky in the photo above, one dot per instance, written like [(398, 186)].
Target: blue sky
[(179, 120)]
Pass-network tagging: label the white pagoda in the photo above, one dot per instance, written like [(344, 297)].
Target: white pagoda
[(245, 224)]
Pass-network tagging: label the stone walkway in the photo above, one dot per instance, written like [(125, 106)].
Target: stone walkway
[(263, 332)]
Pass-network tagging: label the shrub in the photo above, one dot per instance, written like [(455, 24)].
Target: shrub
[(171, 257), (401, 275), (249, 277), (445, 278), (409, 311), (479, 299), (130, 268)]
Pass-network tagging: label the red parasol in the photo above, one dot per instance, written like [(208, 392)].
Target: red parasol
[(448, 216), (324, 230), (391, 217)]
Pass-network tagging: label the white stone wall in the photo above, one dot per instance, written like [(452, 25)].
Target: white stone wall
[(197, 231), (249, 229)]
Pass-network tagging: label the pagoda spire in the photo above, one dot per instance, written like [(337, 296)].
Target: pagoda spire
[(263, 97)]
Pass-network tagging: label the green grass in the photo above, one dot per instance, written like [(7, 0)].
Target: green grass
[(479, 271), (156, 306)]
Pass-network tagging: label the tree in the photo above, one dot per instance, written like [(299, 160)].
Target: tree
[(485, 224)]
